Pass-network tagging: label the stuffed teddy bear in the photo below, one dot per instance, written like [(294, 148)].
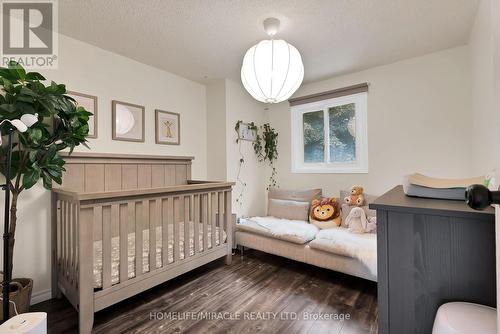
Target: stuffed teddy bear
[(325, 213), (357, 222), (356, 197)]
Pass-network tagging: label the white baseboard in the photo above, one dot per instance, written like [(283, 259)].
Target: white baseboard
[(41, 296)]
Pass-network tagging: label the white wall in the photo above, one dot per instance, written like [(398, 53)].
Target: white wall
[(418, 121), (227, 103), (88, 69), (241, 106), (91, 70), (482, 70), (216, 134)]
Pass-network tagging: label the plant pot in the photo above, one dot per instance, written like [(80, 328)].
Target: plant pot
[(20, 294)]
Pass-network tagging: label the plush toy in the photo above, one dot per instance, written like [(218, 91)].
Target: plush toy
[(357, 222), (356, 197), (325, 213)]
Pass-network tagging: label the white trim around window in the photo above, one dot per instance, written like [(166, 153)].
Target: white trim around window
[(360, 165)]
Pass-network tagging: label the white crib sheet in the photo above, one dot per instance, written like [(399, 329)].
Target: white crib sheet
[(115, 250)]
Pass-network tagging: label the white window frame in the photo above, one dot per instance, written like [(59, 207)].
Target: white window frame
[(361, 163)]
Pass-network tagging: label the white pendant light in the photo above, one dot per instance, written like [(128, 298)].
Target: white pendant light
[(272, 70)]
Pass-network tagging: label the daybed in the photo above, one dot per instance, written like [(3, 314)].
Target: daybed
[(335, 248), (125, 223)]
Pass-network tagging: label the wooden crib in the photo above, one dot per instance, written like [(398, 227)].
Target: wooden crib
[(125, 223)]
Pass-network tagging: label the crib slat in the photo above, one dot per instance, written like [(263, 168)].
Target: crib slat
[(74, 228), (97, 211), (152, 236), (164, 228), (143, 223), (59, 234), (138, 243), (70, 234), (77, 245), (221, 217), (62, 231), (176, 246), (124, 225), (228, 226), (213, 215), (68, 241), (195, 200), (63, 237), (114, 221), (106, 250), (67, 237), (140, 222), (187, 241), (204, 214)]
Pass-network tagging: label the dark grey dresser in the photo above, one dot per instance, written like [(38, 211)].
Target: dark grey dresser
[(430, 252)]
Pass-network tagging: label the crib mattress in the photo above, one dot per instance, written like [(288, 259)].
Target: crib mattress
[(115, 250)]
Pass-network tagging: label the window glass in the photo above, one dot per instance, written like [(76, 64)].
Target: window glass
[(314, 137), (330, 136), (342, 123)]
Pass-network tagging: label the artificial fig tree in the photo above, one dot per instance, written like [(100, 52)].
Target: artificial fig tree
[(59, 124)]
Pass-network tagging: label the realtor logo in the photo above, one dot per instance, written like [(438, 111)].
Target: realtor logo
[(29, 33)]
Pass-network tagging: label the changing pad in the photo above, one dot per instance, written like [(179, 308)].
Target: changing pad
[(342, 242), (296, 231), (115, 250)]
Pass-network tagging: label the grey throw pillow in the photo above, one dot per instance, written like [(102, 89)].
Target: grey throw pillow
[(285, 209), (294, 195)]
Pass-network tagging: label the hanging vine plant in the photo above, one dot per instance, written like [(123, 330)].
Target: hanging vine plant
[(266, 149), (239, 180)]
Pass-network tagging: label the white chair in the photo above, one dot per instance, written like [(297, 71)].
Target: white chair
[(465, 318)]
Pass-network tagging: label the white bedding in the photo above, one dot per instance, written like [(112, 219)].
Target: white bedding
[(342, 242), (296, 231), (115, 250)]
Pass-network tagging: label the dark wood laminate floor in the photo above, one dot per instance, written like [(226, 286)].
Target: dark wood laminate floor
[(256, 288)]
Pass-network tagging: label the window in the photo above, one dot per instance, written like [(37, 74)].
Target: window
[(330, 135)]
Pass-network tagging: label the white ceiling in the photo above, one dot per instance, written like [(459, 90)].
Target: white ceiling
[(206, 39)]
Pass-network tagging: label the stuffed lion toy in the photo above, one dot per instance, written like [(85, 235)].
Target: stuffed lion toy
[(325, 213)]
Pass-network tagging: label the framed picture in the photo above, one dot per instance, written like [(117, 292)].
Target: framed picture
[(128, 121), (167, 127), (89, 102), (246, 132)]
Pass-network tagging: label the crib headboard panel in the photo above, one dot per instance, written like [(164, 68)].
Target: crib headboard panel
[(97, 172)]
